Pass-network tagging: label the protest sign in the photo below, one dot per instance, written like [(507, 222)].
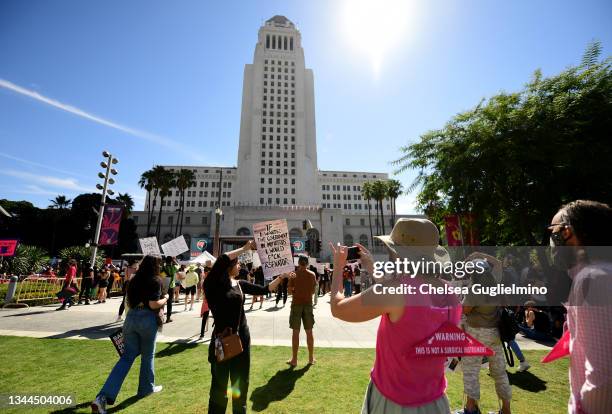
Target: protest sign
[(448, 341), (175, 247), (256, 261), (149, 246), (246, 257), (117, 340), (8, 247), (273, 247)]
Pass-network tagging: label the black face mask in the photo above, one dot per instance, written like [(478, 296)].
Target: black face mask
[(561, 254)]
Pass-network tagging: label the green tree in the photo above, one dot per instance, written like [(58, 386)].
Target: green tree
[(183, 179), (516, 157), (164, 181), (379, 193), (147, 182), (394, 190), (366, 192), (60, 202), (27, 259), (126, 201)]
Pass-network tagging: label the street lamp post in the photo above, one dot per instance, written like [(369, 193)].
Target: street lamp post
[(108, 180), (218, 214)]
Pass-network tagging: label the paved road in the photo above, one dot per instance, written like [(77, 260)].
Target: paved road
[(268, 326)]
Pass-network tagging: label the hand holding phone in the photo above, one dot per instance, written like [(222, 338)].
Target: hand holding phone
[(353, 253)]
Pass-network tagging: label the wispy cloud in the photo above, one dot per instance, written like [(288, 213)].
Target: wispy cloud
[(158, 139), (40, 165), (46, 180)]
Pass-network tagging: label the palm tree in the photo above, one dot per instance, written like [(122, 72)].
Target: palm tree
[(394, 190), (184, 179), (163, 184), (366, 192), (146, 182), (379, 193), (127, 202), (60, 202)]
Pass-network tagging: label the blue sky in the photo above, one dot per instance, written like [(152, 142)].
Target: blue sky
[(159, 82)]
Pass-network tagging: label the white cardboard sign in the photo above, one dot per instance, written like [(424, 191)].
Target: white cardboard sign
[(273, 247), (149, 246), (175, 247)]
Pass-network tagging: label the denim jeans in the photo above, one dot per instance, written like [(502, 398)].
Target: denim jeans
[(139, 333), (531, 333), (517, 350), (348, 289)]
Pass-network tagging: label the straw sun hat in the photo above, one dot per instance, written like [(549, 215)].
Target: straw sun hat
[(415, 239)]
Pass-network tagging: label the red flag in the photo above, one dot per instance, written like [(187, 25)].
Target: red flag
[(449, 340), (8, 247), (453, 230), (470, 232), (560, 349)]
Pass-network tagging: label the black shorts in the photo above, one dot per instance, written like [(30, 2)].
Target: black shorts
[(103, 284), (190, 290)]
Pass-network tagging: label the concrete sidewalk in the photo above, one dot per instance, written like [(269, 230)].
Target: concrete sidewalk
[(268, 326)]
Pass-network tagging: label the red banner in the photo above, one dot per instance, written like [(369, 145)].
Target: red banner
[(8, 247), (453, 230), (109, 232), (470, 232), (449, 341)]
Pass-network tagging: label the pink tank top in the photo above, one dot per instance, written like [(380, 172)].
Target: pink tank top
[(405, 380)]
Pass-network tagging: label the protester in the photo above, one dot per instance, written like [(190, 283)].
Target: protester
[(302, 288), (169, 271), (537, 323), (259, 280), (86, 283), (482, 320), (105, 275), (180, 277), (144, 298), (323, 281), (130, 271), (204, 310), (347, 278), (225, 296), (281, 293), (400, 382), (190, 284), (357, 279), (581, 233), (69, 286)]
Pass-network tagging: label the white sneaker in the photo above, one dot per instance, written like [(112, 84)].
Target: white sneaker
[(99, 405), (523, 366), (157, 388)]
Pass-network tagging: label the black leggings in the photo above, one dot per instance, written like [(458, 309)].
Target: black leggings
[(204, 319), (237, 371), (282, 292), (169, 303)]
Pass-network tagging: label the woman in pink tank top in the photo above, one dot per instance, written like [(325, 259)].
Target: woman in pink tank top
[(400, 382)]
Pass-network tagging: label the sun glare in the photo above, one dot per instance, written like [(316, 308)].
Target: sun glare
[(376, 27)]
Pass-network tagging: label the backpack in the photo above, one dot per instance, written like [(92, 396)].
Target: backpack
[(508, 328)]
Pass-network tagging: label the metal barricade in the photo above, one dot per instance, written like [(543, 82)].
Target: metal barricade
[(44, 289)]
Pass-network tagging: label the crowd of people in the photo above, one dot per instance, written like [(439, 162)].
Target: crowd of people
[(398, 382)]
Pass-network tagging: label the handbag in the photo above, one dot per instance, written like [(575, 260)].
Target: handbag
[(228, 343)]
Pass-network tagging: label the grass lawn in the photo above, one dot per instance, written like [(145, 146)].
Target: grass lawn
[(336, 384)]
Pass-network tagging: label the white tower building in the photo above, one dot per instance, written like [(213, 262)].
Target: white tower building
[(277, 154)]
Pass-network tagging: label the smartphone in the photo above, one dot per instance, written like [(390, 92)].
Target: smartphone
[(353, 253)]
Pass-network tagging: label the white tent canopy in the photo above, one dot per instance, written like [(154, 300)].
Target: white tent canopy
[(203, 258)]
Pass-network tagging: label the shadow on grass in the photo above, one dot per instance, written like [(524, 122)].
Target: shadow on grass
[(175, 348), (527, 381), (277, 388), (91, 332)]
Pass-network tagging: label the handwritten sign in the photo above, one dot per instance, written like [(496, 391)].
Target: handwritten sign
[(448, 341), (117, 340), (175, 247), (246, 257), (273, 247), (149, 246)]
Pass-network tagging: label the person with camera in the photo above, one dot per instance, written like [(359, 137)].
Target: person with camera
[(399, 382), (144, 299), (229, 351)]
